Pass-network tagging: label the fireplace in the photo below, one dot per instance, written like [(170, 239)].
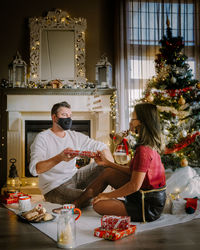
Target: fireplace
[(90, 114), (33, 127)]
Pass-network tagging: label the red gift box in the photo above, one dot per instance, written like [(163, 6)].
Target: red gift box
[(6, 200), (12, 194), (109, 222), (114, 234), (13, 197), (80, 153)]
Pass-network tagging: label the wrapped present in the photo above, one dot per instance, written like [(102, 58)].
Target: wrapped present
[(115, 222), (114, 234), (88, 154), (13, 194), (11, 197), (7, 200)]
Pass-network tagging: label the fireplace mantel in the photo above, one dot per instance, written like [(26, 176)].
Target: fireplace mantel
[(22, 104), (67, 91)]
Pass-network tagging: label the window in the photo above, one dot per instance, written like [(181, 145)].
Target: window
[(146, 20), (146, 27)]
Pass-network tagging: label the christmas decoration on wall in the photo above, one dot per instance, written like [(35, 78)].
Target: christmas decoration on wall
[(56, 84), (113, 105), (17, 72), (103, 73), (177, 95), (97, 102)]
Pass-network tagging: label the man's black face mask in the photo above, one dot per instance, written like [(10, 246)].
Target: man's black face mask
[(65, 123)]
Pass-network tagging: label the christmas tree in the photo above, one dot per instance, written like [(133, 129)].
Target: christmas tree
[(177, 96)]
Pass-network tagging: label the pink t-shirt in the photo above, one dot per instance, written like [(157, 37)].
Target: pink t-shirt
[(148, 160)]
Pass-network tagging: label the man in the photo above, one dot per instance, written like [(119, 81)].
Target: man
[(59, 179)]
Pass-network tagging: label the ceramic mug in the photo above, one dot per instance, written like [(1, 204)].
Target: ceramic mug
[(24, 203), (74, 210)]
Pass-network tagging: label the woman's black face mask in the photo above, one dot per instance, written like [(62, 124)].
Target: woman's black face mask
[(65, 123)]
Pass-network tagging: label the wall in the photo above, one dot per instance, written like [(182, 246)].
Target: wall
[(15, 31)]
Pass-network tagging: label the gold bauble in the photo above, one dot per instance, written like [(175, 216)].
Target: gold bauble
[(181, 101), (173, 79), (150, 98), (184, 162), (198, 85)]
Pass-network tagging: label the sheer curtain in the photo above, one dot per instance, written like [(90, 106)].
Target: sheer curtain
[(139, 27)]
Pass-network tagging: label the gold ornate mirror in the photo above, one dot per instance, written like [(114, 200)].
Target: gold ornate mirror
[(57, 47)]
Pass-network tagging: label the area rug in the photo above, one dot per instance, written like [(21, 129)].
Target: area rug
[(185, 182), (90, 219)]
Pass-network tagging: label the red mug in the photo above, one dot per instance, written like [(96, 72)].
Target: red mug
[(74, 209)]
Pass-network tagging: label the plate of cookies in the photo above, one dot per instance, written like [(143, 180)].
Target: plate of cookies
[(37, 215)]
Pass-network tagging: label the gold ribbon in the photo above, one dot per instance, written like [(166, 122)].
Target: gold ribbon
[(143, 196)]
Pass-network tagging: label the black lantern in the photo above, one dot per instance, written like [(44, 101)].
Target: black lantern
[(17, 72), (13, 182), (104, 73)]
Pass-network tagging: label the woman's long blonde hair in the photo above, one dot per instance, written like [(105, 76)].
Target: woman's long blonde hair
[(150, 129)]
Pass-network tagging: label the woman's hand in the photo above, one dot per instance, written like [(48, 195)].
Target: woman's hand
[(100, 197), (101, 160)]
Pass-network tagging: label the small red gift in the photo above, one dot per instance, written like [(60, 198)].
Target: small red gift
[(12, 194), (6, 200), (114, 234), (11, 197), (115, 222), (80, 153)]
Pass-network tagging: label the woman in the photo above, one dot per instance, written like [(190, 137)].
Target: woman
[(143, 182)]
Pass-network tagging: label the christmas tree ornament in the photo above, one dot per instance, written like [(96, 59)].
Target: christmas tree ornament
[(165, 132), (184, 162), (183, 133), (154, 79), (198, 85), (150, 98), (181, 101), (173, 79)]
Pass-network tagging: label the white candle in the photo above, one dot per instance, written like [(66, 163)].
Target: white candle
[(18, 83)]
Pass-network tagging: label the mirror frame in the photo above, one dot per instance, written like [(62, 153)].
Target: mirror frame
[(57, 20)]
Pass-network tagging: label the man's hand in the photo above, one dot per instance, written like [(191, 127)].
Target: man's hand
[(66, 156), (100, 197), (44, 166)]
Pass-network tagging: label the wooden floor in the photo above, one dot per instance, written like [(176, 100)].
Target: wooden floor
[(16, 235)]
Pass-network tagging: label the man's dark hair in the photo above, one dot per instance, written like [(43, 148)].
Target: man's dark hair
[(56, 106)]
